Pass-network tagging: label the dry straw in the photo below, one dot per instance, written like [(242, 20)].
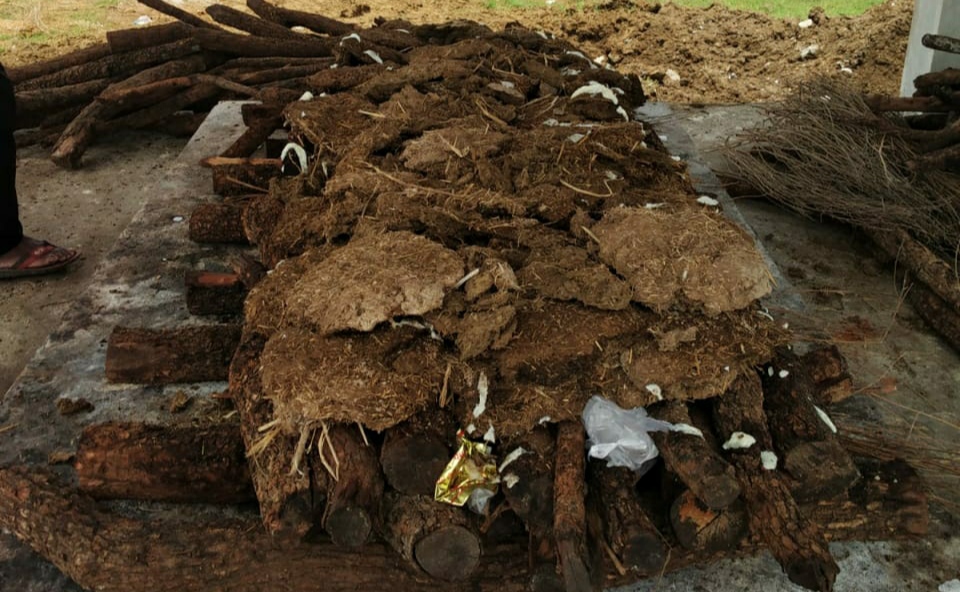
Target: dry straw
[(823, 152)]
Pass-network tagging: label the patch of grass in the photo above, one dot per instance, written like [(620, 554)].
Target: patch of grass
[(788, 9), (795, 9)]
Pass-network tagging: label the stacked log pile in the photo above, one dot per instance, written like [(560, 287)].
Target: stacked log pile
[(461, 243)]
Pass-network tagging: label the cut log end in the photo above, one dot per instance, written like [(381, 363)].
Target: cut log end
[(449, 553), (349, 526), (413, 465)]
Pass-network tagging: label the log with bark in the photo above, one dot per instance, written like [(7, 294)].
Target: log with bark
[(218, 223), (629, 531), (167, 356), (798, 544), (414, 453), (693, 460), (288, 507), (570, 517), (807, 448), (941, 43), (142, 37), (295, 18), (214, 294), (702, 529), (238, 176), (355, 487), (436, 537), (112, 65), (251, 24), (256, 46), (827, 368), (188, 464)]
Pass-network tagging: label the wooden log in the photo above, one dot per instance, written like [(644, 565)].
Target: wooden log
[(288, 506), (177, 13), (941, 43), (186, 464), (941, 78), (271, 63), (890, 502), (414, 453), (827, 368), (632, 536), (249, 23), (35, 106), (182, 124), (154, 114), (249, 269), (105, 551), (45, 137), (808, 449), (702, 529), (570, 516), (236, 176), (341, 79), (167, 356), (434, 536), (135, 38), (528, 481), (693, 460), (253, 137), (354, 50), (395, 37), (139, 97), (20, 74), (797, 544), (113, 65), (255, 46), (218, 223), (82, 130), (354, 492), (295, 18), (214, 294), (285, 72), (881, 103), (923, 263)]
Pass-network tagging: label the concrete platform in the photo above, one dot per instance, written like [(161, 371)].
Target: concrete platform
[(141, 284)]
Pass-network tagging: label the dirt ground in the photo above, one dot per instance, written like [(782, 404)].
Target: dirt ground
[(690, 55)]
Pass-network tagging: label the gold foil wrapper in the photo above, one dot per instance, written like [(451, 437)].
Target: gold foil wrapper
[(471, 468)]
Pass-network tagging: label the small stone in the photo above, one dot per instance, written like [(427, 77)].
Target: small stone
[(809, 52), (73, 406), (179, 402), (671, 76), (805, 24), (61, 457)]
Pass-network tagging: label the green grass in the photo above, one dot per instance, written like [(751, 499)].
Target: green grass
[(789, 9), (796, 9)]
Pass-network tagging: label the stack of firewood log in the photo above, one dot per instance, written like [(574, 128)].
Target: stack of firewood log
[(166, 77)]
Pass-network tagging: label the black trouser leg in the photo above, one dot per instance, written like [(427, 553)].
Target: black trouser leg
[(11, 233)]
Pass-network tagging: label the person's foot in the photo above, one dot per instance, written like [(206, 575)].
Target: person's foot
[(34, 257)]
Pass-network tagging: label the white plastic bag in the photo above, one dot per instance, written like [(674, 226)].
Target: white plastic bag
[(622, 435)]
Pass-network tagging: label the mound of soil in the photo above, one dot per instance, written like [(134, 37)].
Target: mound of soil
[(688, 55)]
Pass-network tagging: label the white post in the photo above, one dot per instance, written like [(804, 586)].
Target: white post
[(941, 17)]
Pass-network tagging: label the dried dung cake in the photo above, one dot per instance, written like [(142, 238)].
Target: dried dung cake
[(491, 209)]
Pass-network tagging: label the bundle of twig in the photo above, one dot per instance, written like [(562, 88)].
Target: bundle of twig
[(828, 151), (824, 152)]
